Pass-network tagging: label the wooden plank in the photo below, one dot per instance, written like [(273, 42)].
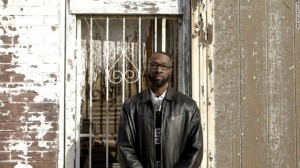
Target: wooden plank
[(198, 67), (125, 7), (281, 82), (297, 68), (184, 72), (61, 154), (206, 76), (70, 90), (254, 88), (225, 73)]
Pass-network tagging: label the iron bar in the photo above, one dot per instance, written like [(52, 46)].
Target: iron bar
[(91, 91), (107, 86)]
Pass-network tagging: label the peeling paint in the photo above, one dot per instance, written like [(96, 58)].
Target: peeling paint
[(53, 28), (42, 128), (210, 34), (22, 165), (5, 2), (44, 144), (210, 66), (127, 7)]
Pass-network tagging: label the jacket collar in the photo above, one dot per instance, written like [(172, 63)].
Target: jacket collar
[(169, 95)]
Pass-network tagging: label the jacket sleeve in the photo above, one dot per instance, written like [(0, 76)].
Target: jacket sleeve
[(126, 149), (193, 151)]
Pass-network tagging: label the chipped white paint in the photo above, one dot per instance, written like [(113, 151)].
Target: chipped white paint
[(41, 128), (1, 104), (196, 89), (22, 165), (126, 7), (70, 91), (207, 105), (18, 146), (62, 78), (37, 56), (44, 144), (23, 147)]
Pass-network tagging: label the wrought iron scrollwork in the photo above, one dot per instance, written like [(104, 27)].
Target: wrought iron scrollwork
[(117, 75)]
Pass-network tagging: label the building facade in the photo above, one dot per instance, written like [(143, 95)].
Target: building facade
[(66, 67)]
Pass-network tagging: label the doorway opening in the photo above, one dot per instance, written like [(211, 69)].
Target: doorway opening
[(113, 51)]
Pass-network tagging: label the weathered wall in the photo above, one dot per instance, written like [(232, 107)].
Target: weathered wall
[(30, 54), (255, 84)]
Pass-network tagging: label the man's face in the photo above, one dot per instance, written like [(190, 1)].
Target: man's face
[(159, 70)]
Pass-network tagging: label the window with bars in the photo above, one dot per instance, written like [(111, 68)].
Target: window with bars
[(114, 49)]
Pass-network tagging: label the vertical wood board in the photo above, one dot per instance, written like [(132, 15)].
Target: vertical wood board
[(70, 100), (281, 82), (297, 77), (186, 86), (226, 84), (254, 86)]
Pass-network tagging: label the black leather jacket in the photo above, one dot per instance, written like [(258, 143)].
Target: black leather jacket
[(181, 132)]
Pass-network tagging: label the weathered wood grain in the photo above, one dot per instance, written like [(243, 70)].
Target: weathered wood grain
[(226, 85), (125, 7), (297, 92), (281, 84), (254, 83)]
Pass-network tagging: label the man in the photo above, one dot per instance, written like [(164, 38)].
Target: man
[(160, 127)]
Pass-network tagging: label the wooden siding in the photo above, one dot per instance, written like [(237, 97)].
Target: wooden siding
[(125, 7), (255, 81)]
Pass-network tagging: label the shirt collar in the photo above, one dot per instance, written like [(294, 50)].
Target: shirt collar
[(170, 95), (153, 96)]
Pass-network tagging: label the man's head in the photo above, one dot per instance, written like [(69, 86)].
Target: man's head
[(159, 70)]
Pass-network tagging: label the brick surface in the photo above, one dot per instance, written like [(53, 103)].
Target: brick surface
[(13, 107), (4, 155), (7, 164), (4, 146), (49, 155), (43, 164), (23, 97), (5, 117), (43, 146), (30, 43), (31, 156), (12, 126), (6, 58), (34, 116), (5, 136)]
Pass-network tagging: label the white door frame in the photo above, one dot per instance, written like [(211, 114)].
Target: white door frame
[(197, 55)]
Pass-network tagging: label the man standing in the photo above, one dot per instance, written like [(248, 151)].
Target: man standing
[(160, 127)]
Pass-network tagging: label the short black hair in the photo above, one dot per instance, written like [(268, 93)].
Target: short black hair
[(164, 53)]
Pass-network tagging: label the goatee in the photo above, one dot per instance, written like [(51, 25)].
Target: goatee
[(158, 83)]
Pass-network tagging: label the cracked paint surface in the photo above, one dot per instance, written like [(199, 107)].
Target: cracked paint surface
[(28, 84)]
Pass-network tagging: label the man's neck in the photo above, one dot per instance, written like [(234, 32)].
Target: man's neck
[(159, 91)]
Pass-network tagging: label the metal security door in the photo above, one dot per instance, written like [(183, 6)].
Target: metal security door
[(112, 53)]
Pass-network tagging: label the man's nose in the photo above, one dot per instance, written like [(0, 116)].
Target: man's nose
[(159, 68)]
